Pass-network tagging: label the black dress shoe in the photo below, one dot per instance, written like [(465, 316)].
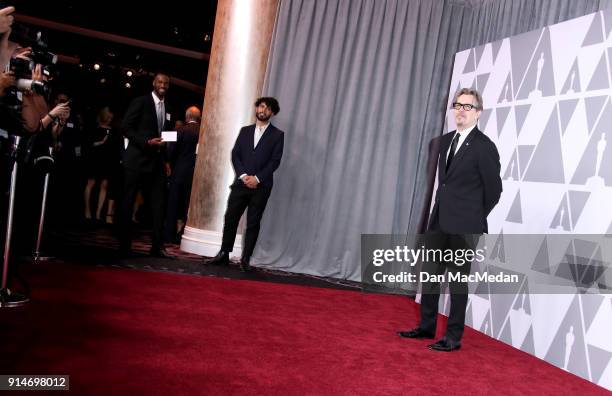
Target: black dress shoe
[(222, 258), (161, 253), (244, 265), (416, 333), (445, 345)]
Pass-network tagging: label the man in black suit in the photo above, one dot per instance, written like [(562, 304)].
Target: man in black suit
[(469, 186), (256, 155), (144, 162), (182, 158)]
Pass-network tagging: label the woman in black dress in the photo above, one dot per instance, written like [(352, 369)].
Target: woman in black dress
[(101, 159)]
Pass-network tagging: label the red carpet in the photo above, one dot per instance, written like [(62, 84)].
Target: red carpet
[(118, 331)]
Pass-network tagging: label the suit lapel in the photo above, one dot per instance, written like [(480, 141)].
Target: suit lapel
[(154, 113), (465, 146), (250, 136), (264, 137)]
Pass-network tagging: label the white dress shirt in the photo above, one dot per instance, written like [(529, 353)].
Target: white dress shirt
[(462, 136), (259, 131)]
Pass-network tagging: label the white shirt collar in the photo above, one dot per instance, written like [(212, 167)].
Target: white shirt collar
[(262, 128), (155, 98), (464, 133), (462, 137)]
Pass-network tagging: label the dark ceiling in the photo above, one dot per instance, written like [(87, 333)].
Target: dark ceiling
[(177, 24)]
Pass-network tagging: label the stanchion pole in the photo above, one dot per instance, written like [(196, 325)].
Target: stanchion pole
[(8, 298), (37, 257)]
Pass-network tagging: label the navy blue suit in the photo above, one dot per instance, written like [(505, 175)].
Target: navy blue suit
[(260, 161)]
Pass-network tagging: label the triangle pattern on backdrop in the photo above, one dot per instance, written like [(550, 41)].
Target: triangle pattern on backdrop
[(546, 166), (595, 33), (515, 215)]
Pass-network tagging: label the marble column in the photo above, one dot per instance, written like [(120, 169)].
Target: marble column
[(240, 48)]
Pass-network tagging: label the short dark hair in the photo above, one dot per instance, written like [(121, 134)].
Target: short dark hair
[(272, 103), (160, 72)]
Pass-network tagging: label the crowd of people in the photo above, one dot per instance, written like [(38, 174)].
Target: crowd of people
[(100, 173)]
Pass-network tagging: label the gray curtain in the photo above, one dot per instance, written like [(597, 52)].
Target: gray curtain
[(363, 86)]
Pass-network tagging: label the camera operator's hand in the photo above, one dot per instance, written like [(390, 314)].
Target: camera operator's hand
[(37, 74), (60, 112), (22, 53), (7, 79), (6, 19)]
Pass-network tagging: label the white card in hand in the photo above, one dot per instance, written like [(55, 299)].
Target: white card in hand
[(168, 136)]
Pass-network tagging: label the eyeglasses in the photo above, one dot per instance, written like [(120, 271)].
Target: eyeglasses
[(467, 107)]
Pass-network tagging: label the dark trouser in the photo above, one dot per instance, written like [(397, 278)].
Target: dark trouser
[(153, 187), (178, 203), (459, 290), (241, 198)]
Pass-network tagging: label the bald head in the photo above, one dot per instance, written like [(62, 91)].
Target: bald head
[(193, 114)]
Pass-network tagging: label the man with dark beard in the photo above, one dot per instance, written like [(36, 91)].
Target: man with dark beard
[(256, 155)]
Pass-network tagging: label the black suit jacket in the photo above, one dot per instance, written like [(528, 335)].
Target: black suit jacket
[(471, 187), (182, 154), (139, 125), (262, 160)]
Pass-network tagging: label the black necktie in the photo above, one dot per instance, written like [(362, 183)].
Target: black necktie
[(453, 148)]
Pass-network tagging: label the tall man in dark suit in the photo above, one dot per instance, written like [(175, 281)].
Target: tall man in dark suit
[(256, 155), (469, 186), (182, 158), (144, 161)]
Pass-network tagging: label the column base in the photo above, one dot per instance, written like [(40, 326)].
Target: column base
[(207, 243)]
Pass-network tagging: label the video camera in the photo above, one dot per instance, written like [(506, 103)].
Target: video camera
[(22, 68)]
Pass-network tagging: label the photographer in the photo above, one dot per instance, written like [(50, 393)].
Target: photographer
[(67, 179), (35, 111), (7, 80), (25, 112)]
